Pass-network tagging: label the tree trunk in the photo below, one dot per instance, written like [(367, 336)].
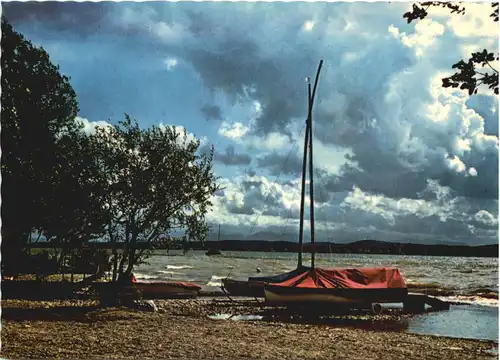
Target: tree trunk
[(122, 260), (115, 254), (131, 261)]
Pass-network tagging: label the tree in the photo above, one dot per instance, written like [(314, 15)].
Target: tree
[(74, 216), (36, 102), (156, 185), (44, 163), (476, 71)]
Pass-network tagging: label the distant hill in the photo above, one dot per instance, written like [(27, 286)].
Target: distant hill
[(361, 247), (357, 247)]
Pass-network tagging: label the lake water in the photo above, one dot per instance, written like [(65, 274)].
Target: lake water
[(461, 277)]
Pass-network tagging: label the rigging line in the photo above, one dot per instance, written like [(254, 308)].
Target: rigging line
[(279, 174)]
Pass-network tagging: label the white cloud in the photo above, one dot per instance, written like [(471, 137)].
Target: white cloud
[(472, 171), (141, 17), (308, 25), (182, 130), (426, 32), (475, 23), (89, 127), (171, 63), (486, 218), (257, 107), (233, 131), (272, 141), (454, 163), (389, 208)]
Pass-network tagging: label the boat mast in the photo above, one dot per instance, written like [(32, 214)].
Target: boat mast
[(303, 188), (308, 143), (311, 178)]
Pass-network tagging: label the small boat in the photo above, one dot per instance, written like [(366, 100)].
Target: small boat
[(360, 286), (211, 252), (254, 286), (166, 289), (214, 251), (150, 289), (241, 288)]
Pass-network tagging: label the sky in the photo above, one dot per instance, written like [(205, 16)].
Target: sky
[(396, 156)]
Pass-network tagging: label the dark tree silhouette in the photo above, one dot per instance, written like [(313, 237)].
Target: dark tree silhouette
[(476, 71), (45, 169)]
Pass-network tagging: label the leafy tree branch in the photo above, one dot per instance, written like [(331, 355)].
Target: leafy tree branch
[(478, 69)]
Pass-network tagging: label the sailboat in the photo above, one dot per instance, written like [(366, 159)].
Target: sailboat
[(215, 250), (355, 286)]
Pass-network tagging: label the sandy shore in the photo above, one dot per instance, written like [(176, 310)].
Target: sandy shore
[(182, 330)]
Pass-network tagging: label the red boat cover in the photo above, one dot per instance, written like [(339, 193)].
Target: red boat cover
[(360, 278)]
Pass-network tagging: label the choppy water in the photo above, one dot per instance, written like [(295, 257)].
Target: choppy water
[(461, 277)]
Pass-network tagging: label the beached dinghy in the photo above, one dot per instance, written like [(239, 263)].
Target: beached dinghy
[(166, 289), (254, 286), (360, 286), (149, 289)]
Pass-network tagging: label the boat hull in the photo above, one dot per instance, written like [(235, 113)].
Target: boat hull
[(243, 288), (150, 290), (254, 286), (162, 290), (281, 294)]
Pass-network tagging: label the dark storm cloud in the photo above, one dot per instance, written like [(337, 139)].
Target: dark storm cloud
[(277, 163), (211, 112), (82, 18), (231, 157)]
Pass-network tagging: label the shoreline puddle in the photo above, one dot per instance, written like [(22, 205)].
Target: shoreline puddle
[(235, 317)]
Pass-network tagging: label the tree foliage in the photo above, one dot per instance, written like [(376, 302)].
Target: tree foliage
[(478, 69), (36, 102), (122, 183), (156, 184), (45, 170)]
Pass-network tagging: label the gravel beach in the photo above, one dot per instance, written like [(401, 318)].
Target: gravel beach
[(181, 329)]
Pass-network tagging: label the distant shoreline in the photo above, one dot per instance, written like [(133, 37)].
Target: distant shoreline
[(357, 247)]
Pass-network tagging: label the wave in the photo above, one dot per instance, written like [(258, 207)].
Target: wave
[(215, 280), (435, 289), (178, 267), (144, 276), (470, 300), (422, 285), (166, 272)]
